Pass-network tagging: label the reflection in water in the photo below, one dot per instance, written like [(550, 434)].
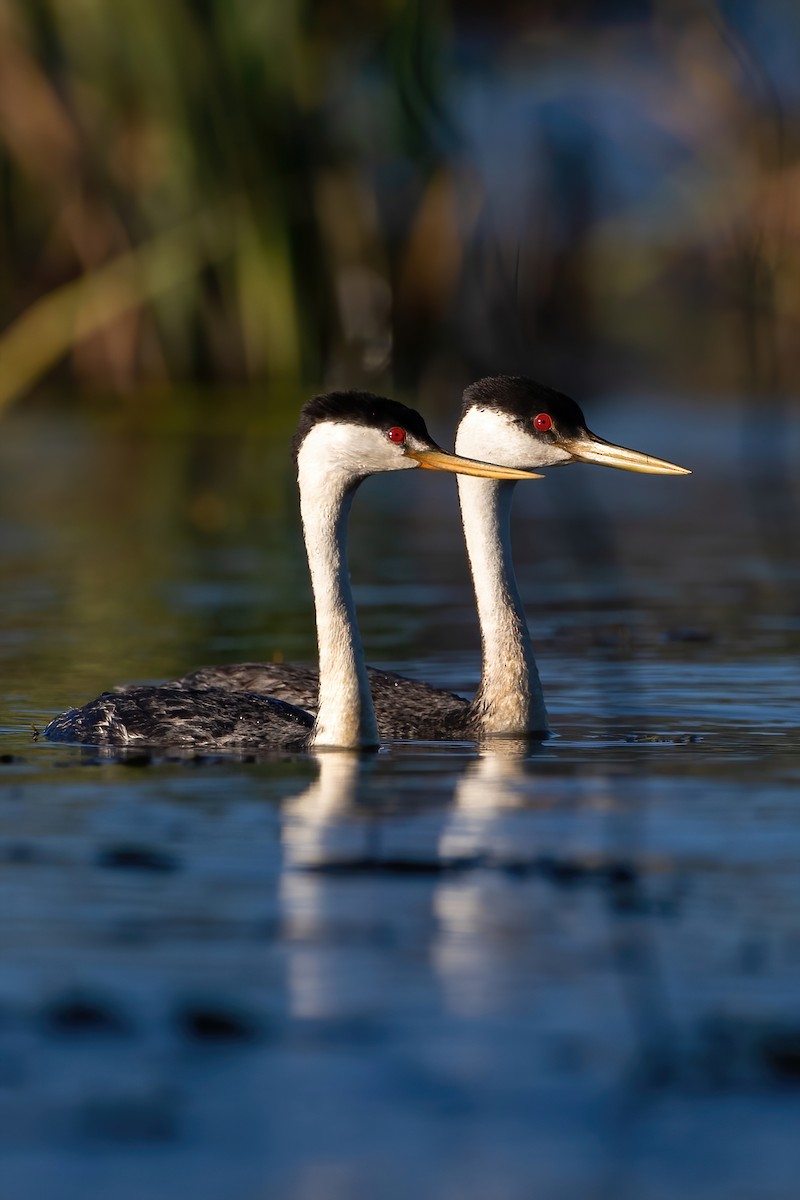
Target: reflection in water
[(488, 917), (491, 786), (316, 833), (318, 825), (506, 815), (341, 837), (355, 817), (476, 857), (480, 921)]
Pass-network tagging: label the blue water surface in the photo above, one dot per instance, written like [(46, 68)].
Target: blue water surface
[(497, 971)]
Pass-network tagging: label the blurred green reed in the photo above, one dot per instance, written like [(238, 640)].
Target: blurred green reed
[(155, 190), (223, 190)]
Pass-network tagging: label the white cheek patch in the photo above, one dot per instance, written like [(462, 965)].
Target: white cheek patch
[(349, 450), (495, 437)]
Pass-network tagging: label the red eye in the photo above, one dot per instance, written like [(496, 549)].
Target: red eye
[(396, 435), (543, 422)]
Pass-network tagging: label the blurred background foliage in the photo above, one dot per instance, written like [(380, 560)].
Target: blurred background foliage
[(400, 193)]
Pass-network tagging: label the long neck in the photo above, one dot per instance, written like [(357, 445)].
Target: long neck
[(345, 715), (509, 699)]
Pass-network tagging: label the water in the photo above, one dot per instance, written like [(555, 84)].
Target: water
[(443, 970)]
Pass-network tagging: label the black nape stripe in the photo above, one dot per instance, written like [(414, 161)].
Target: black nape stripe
[(358, 408)]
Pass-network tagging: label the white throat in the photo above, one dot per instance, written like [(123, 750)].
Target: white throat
[(345, 715), (509, 699)]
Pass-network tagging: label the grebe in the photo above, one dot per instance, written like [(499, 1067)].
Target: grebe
[(516, 422), (341, 438)]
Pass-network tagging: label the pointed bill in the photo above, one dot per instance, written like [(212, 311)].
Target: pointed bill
[(441, 460), (592, 449)]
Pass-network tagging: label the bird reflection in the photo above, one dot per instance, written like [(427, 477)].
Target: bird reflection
[(510, 825), (483, 920), (323, 826), (377, 856), (344, 837), (492, 786), (321, 829)]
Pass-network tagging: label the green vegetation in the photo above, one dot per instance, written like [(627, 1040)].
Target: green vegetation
[(228, 191)]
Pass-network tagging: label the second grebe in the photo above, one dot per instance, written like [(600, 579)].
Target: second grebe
[(341, 438), (513, 421)]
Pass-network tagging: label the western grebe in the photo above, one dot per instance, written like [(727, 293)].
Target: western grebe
[(516, 422), (341, 438)]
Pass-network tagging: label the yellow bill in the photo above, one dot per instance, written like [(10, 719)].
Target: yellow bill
[(593, 449), (441, 460)]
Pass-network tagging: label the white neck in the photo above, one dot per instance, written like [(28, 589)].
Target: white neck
[(509, 699), (345, 715)]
